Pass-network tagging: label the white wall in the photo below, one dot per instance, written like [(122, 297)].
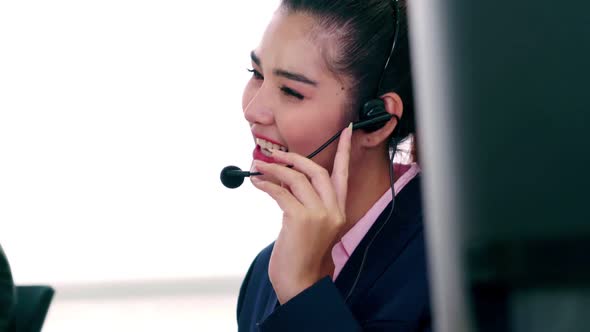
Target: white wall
[(115, 120), (116, 117)]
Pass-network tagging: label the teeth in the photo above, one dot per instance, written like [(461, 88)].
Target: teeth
[(266, 145)]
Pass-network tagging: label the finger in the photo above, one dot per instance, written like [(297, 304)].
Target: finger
[(340, 170), (318, 176), (296, 181), (286, 201)]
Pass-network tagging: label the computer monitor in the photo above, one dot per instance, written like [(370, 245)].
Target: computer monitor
[(503, 107)]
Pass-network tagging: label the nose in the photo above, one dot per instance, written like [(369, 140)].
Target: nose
[(257, 109)]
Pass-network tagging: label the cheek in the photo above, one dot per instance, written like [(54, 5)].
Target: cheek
[(304, 134), (300, 138)]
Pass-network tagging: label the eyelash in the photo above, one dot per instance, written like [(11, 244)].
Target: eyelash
[(286, 90), (256, 74), (292, 93)]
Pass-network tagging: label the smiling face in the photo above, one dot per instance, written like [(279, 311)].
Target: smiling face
[(292, 99)]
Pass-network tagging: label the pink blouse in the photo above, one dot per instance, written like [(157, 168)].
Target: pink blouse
[(343, 249)]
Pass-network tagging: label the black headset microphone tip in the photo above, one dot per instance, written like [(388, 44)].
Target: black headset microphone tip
[(229, 178)]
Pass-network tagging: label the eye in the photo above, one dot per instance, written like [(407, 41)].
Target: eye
[(290, 92), (256, 74)]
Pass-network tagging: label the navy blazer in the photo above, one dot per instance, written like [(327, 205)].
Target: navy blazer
[(391, 294)]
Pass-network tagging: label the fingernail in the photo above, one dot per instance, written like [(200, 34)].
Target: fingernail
[(350, 126)]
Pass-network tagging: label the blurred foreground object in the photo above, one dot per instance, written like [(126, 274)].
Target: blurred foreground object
[(7, 292), (503, 120), (31, 307)]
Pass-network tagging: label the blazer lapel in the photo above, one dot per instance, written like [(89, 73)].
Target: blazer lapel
[(271, 304), (388, 243)]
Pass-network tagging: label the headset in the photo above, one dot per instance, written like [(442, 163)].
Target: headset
[(372, 109)]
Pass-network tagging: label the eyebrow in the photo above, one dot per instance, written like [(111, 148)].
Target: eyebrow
[(294, 77), (255, 58), (286, 74)]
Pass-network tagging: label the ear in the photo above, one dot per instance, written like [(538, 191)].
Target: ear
[(393, 105)]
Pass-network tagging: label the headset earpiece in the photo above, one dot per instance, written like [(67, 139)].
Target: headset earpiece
[(371, 110)]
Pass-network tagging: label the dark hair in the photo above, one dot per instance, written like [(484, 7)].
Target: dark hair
[(363, 32)]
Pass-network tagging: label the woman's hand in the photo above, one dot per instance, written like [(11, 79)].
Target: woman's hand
[(313, 204)]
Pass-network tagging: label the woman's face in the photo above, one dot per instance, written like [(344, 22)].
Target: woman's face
[(292, 99)]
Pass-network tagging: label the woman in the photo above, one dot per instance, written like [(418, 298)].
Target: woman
[(344, 260)]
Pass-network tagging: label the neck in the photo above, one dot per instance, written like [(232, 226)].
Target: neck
[(370, 181)]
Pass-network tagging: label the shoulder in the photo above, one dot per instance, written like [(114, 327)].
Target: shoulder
[(257, 274), (259, 263), (263, 256)]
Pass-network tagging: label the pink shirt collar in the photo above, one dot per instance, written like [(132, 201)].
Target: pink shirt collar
[(343, 249)]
